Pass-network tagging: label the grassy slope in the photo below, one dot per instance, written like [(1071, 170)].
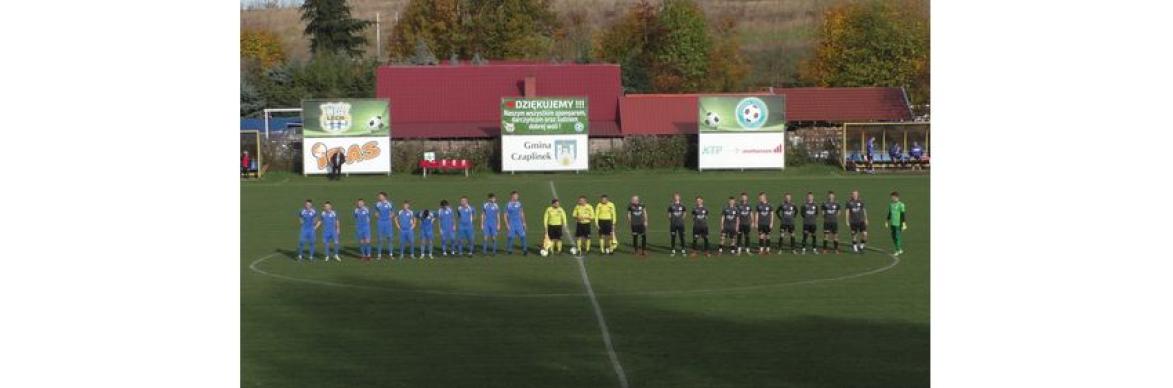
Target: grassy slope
[(868, 331)]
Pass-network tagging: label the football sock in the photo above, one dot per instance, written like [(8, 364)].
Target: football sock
[(634, 241), (792, 246), (301, 248), (603, 244), (643, 242), (558, 246), (313, 248), (824, 243), (836, 245), (706, 243), (588, 245)]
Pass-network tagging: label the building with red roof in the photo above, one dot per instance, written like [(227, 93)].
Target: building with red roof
[(463, 101)]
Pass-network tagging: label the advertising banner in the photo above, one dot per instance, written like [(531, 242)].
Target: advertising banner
[(544, 115), (346, 117), (544, 153), (741, 132), (364, 155), (544, 134)]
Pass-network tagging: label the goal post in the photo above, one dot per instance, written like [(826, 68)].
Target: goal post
[(903, 145)]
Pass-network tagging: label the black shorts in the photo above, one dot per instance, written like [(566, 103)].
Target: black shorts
[(830, 227), (582, 230), (728, 231), (555, 232), (639, 229), (674, 229), (857, 227), (606, 227), (764, 229), (809, 228), (787, 228), (700, 230)]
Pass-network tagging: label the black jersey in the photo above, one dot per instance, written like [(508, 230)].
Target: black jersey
[(765, 213), (729, 216), (830, 212), (744, 213), (786, 212), (637, 213), (810, 213), (855, 211), (700, 216), (676, 214)]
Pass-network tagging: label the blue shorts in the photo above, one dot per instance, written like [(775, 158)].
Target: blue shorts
[(447, 234), (465, 232), (426, 234), (362, 233), (330, 237), (385, 229), (516, 231), (406, 235), (489, 231), (307, 235)]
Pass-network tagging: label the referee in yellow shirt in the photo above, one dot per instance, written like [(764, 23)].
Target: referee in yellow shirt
[(605, 214), (554, 219), (584, 215)]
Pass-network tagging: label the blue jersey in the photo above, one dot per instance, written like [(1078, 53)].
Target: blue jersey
[(329, 221), (466, 214), (491, 211), (513, 213), (871, 145), (446, 218), (426, 219), (405, 218), (384, 209), (307, 218), (362, 218)]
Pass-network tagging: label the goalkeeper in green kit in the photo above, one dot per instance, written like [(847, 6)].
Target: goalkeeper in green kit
[(897, 221)]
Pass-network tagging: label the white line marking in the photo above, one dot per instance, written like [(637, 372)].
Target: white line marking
[(586, 281)]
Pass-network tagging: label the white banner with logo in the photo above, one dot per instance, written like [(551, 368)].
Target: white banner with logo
[(544, 153), (742, 150), (364, 155)]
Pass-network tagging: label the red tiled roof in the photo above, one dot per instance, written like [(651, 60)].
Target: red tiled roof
[(464, 101), (673, 114), (845, 104)]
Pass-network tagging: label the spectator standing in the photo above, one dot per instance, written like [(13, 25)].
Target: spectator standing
[(245, 163), (336, 162)]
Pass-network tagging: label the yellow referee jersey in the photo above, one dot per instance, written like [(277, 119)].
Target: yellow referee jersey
[(584, 214), (554, 216), (605, 211)]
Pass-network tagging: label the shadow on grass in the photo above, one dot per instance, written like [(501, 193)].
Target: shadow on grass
[(311, 336)]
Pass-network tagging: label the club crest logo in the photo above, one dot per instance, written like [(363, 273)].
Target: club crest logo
[(752, 113), (335, 117), (565, 151)]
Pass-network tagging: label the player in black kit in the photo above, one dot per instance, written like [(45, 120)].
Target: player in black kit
[(830, 210), (744, 219), (786, 212), (764, 218), (637, 217), (700, 225), (676, 222), (810, 215)]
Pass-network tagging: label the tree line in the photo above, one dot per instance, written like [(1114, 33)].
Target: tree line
[(669, 46)]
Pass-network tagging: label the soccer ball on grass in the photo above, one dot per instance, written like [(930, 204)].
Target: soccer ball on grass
[(573, 250), (544, 252)]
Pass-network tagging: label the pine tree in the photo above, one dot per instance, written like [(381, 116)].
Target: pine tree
[(331, 28)]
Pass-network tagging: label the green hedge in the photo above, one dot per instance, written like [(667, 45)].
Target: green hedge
[(645, 152)]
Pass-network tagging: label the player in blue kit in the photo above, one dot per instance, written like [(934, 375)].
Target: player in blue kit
[(308, 219), (427, 231), (331, 230), (464, 234), (362, 228), (447, 228), (405, 221), (490, 224), (515, 223), (383, 210)]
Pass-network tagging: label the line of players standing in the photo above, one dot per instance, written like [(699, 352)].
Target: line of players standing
[(738, 218)]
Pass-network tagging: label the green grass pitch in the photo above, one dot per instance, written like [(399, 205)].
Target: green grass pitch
[(507, 321)]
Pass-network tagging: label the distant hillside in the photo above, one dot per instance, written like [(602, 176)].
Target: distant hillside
[(776, 34)]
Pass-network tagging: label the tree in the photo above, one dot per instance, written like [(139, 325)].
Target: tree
[(878, 43), (727, 64), (423, 55), (331, 28), (626, 41), (438, 23), (682, 54), (260, 48), (510, 29)]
